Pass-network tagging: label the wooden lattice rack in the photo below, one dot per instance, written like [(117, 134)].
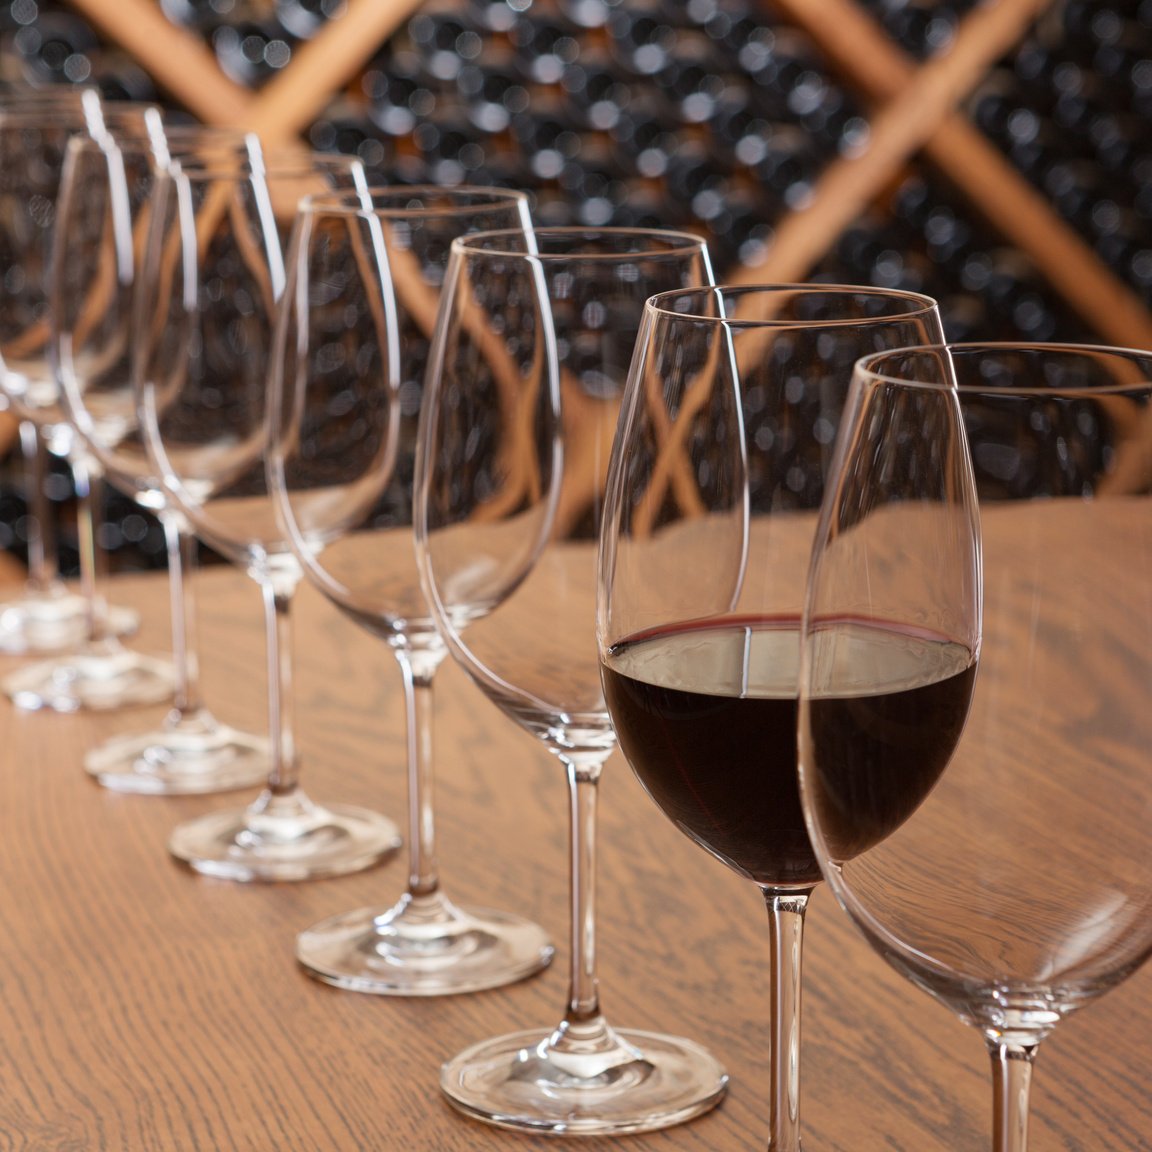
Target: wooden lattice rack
[(914, 108)]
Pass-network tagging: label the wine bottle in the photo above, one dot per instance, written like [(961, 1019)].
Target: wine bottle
[(250, 53), (56, 48), (544, 49), (304, 18)]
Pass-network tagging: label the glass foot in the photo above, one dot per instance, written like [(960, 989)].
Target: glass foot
[(182, 757), (100, 677), (279, 839), (423, 947), (548, 1082), (55, 621)]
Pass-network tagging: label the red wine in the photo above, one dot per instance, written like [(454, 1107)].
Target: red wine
[(706, 714), (888, 710)]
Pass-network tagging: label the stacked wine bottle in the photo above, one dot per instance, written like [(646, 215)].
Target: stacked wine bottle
[(714, 115)]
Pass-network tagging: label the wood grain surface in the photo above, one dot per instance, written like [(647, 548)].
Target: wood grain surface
[(144, 1008)]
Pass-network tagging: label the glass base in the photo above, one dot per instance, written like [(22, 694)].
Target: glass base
[(185, 756), (423, 947), (284, 839), (56, 620), (544, 1082), (101, 677)]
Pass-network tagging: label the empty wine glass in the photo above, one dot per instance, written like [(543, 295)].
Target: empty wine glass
[(213, 278), (364, 277), (532, 346), (100, 673), (47, 616), (974, 722), (717, 472), (104, 207)]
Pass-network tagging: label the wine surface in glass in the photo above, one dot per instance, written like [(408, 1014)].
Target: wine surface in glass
[(706, 713)]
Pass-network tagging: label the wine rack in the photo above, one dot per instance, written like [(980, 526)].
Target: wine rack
[(995, 155)]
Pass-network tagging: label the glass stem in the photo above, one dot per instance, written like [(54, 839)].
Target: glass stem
[(284, 776), (418, 668), (181, 548), (786, 911), (584, 1028), (43, 571), (1011, 1086), (87, 481)]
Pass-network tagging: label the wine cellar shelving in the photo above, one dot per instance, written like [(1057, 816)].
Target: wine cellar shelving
[(995, 155)]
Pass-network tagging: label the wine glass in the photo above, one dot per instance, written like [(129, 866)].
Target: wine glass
[(532, 346), (717, 473), (364, 276), (214, 274), (974, 725), (104, 206), (100, 673), (47, 616)]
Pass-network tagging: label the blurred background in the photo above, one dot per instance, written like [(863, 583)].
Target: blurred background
[(997, 156)]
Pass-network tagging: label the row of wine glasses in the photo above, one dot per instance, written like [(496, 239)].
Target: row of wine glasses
[(103, 211), (197, 456), (189, 436), (410, 397), (90, 668), (336, 502), (315, 477)]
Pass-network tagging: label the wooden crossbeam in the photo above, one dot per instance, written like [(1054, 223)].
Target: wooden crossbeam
[(176, 59), (919, 112), (290, 101), (899, 129), (881, 69), (180, 63)]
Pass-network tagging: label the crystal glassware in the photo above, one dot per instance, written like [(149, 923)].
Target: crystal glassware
[(98, 672), (104, 209), (974, 729), (717, 473), (364, 277), (47, 616), (214, 275), (532, 346)]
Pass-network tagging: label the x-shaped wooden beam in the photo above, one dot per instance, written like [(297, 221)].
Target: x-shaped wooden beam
[(916, 109)]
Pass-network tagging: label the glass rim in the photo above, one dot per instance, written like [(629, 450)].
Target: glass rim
[(14, 96), (864, 367), (247, 163), (923, 304), (144, 142), (45, 110), (166, 130), (65, 116), (474, 243), (350, 202)]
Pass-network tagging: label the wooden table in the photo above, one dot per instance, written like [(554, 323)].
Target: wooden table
[(146, 1009)]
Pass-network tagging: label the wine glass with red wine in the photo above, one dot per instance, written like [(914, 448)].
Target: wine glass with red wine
[(719, 466), (974, 711)]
